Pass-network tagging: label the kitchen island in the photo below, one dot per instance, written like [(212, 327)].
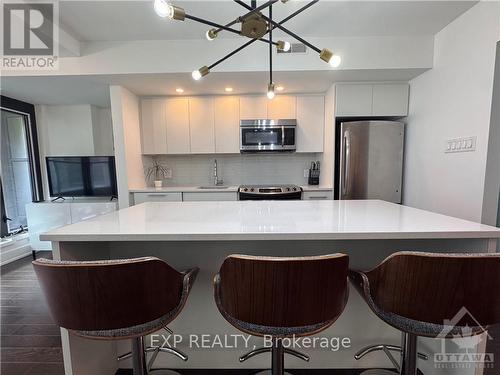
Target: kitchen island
[(202, 234)]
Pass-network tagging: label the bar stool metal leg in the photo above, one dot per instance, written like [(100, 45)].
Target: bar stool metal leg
[(409, 357), (277, 358), (139, 356)]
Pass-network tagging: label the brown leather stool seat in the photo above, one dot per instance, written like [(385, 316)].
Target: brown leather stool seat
[(420, 294), (116, 299), (281, 297)]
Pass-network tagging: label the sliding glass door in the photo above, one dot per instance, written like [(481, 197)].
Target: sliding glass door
[(15, 169)]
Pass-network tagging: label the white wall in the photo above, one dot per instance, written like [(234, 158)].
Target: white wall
[(102, 131), (453, 100), (72, 130), (127, 141)]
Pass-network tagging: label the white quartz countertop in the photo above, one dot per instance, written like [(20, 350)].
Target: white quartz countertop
[(269, 220), (196, 189)]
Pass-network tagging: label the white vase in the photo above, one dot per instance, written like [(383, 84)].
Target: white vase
[(158, 184)]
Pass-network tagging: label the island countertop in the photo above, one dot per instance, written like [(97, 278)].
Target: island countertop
[(270, 220)]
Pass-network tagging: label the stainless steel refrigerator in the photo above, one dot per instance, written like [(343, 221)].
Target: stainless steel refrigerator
[(370, 160)]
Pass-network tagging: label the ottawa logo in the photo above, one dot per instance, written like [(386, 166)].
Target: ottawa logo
[(469, 343)]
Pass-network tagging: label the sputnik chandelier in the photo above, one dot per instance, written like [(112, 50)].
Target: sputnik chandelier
[(255, 26)]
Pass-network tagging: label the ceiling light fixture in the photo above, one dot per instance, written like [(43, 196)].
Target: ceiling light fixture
[(228, 89), (211, 34), (283, 46), (179, 90), (279, 88), (202, 72), (166, 10), (254, 25), (270, 91)]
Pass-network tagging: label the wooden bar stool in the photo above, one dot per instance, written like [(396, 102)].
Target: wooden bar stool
[(116, 300), (420, 293), (281, 297)]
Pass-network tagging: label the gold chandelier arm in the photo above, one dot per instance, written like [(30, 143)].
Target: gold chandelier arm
[(282, 28)]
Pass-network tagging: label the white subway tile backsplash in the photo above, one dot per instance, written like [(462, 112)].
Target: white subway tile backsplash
[(237, 169)]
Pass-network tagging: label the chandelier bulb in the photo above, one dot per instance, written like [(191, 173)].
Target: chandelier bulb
[(329, 57), (202, 72), (166, 10), (211, 34), (270, 91), (283, 46)]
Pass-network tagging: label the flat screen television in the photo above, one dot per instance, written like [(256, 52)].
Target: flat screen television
[(81, 176)]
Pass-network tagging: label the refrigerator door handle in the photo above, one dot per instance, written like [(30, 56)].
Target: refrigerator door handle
[(347, 156)]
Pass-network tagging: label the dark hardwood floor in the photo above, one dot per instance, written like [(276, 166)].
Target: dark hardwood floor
[(30, 341)]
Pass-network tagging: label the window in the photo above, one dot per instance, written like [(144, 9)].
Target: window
[(20, 181)]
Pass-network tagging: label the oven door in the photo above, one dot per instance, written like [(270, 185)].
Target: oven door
[(261, 138)]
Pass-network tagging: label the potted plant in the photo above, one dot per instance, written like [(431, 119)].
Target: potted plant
[(157, 171)]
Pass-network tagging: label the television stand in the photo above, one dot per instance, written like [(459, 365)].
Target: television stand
[(58, 198)]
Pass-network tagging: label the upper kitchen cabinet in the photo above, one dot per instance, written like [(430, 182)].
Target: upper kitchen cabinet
[(282, 107), (353, 100), (153, 126), (227, 124), (390, 100), (253, 107), (201, 125), (310, 123), (371, 99), (177, 114)]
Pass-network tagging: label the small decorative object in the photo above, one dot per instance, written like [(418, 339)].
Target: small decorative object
[(157, 171)]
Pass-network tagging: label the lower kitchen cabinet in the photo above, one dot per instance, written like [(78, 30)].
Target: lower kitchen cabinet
[(211, 196), (157, 197), (317, 195)]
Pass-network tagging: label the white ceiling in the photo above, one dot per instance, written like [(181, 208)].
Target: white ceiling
[(95, 89), (136, 20)]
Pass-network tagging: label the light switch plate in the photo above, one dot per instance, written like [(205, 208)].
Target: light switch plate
[(464, 144), (306, 173)]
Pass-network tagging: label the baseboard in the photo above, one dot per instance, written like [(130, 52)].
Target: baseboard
[(254, 371)]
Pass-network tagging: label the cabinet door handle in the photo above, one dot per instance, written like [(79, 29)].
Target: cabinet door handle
[(319, 197), (157, 195)]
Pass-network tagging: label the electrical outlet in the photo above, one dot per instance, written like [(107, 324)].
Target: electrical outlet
[(460, 145), (306, 173), (169, 173)]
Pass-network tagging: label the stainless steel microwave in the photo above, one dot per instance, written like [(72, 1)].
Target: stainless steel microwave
[(267, 135)]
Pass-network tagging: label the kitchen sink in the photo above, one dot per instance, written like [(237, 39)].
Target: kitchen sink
[(213, 187)]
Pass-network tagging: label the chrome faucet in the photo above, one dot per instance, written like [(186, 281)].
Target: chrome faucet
[(216, 177)]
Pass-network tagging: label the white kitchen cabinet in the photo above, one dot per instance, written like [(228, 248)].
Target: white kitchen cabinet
[(201, 125), (157, 197), (390, 99), (253, 107), (177, 114), (282, 107), (317, 195), (153, 126), (310, 123), (227, 124), (210, 196), (353, 100), (378, 99)]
